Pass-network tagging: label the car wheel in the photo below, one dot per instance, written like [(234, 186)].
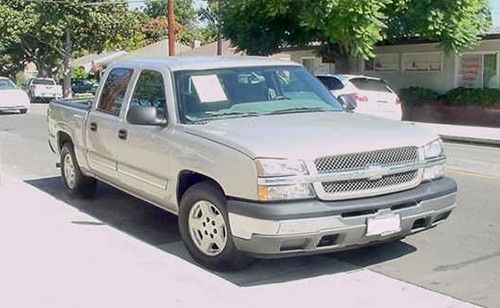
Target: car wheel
[(205, 230), (23, 111), (77, 184)]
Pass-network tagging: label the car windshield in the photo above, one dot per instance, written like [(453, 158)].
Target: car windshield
[(47, 82), (250, 91), (6, 84)]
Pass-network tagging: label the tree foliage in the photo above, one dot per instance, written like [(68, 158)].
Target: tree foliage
[(345, 28), (38, 31)]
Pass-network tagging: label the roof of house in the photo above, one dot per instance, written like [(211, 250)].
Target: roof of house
[(97, 58), (157, 49), (210, 49)]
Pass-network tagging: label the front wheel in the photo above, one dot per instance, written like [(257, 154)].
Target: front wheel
[(205, 230), (75, 181), (23, 111)]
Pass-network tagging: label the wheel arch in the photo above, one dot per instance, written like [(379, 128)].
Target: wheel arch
[(188, 178)]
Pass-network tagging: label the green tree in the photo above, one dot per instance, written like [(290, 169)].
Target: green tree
[(53, 31), (346, 28)]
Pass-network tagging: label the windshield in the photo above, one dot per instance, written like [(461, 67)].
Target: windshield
[(6, 84), (250, 91), (47, 82)]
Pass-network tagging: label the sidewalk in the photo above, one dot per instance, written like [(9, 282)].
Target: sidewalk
[(56, 256), (472, 134)]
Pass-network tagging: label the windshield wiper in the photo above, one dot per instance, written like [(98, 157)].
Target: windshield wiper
[(212, 116), (298, 110), (233, 113)]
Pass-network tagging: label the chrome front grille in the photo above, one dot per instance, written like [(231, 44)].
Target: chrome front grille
[(363, 185), (330, 164), (396, 169)]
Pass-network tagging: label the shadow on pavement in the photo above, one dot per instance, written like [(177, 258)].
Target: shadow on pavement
[(158, 228)]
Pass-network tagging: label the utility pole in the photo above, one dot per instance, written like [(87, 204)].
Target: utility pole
[(219, 34), (171, 27)]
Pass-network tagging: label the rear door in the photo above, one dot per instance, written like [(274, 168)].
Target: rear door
[(104, 123), (143, 161)]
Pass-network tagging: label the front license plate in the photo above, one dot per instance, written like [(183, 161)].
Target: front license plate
[(383, 225)]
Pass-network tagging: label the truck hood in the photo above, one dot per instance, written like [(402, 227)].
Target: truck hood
[(311, 135)]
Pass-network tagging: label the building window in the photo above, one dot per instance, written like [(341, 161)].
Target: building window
[(383, 62), (422, 62), (477, 70)]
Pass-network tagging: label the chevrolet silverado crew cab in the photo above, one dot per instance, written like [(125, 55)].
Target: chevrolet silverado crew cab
[(254, 155)]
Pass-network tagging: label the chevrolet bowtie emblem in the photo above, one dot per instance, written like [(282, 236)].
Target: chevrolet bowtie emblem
[(375, 172)]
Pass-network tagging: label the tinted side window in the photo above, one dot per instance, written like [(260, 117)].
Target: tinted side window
[(113, 91), (150, 91), (331, 83), (367, 84)]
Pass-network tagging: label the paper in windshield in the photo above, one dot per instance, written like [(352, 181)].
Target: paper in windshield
[(209, 88)]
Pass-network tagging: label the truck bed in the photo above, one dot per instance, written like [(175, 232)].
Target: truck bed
[(68, 116)]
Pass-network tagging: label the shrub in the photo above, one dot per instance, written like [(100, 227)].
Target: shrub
[(417, 95), (471, 97)]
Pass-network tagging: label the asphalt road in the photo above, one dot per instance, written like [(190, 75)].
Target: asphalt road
[(460, 258)]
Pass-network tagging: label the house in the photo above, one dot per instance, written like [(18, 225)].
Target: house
[(421, 63)]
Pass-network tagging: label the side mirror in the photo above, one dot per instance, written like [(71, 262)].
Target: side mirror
[(348, 102), (144, 115)]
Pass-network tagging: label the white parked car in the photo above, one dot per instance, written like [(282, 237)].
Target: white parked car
[(372, 95), (12, 98), (43, 90)]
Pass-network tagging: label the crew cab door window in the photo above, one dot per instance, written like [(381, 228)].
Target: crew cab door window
[(150, 91), (113, 91)]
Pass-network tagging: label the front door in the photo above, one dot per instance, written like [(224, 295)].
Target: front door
[(143, 159), (104, 123)]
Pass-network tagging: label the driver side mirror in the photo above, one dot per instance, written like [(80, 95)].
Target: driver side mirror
[(348, 102), (145, 115)]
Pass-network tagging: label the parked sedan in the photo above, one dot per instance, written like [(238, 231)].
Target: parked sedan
[(372, 95), (12, 98)]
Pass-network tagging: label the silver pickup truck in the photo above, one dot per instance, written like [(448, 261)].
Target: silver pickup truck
[(254, 155)]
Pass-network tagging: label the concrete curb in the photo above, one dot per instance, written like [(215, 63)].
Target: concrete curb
[(489, 136)]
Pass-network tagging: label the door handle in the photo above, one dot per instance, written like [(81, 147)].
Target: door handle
[(122, 134), (93, 126)]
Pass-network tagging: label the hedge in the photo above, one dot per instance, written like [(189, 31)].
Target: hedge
[(460, 96)]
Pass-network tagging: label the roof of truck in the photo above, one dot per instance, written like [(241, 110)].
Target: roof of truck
[(200, 63)]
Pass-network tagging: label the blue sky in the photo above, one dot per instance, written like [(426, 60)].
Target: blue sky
[(495, 11)]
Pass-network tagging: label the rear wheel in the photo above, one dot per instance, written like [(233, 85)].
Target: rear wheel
[(23, 111), (76, 182), (205, 230)]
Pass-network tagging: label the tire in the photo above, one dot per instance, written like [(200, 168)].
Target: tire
[(76, 183), (23, 111), (208, 195)]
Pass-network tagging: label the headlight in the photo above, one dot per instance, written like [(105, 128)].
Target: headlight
[(286, 192), (433, 149), (269, 167)]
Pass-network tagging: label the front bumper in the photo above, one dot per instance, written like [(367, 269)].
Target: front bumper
[(313, 226)]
